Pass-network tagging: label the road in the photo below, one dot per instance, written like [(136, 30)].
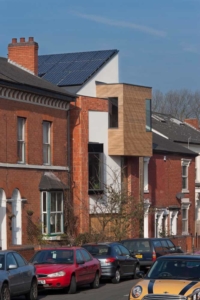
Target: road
[(106, 291)]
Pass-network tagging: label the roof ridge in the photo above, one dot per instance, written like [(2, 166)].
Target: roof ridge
[(80, 52)]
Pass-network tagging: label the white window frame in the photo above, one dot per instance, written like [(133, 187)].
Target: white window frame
[(46, 125), (185, 204), (146, 174), (49, 216), (21, 139), (185, 163)]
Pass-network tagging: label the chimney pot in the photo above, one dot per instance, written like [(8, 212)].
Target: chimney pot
[(22, 40), (31, 39), (14, 41)]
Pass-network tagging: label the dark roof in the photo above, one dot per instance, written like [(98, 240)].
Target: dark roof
[(174, 129), (163, 145), (72, 68), (50, 182), (13, 76)]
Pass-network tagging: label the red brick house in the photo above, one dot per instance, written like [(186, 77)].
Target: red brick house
[(33, 149)]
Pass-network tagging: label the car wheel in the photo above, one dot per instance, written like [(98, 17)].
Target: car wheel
[(117, 277), (5, 292), (137, 269), (95, 283), (33, 293), (72, 287)]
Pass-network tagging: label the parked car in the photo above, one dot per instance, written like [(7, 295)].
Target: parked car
[(17, 276), (66, 268), (116, 260), (175, 276), (148, 249)]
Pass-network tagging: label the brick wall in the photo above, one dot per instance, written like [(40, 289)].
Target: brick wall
[(165, 182), (24, 179)]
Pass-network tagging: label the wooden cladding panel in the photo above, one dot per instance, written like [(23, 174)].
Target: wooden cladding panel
[(130, 138)]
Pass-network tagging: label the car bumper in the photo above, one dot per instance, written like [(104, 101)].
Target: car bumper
[(108, 272), (53, 283)]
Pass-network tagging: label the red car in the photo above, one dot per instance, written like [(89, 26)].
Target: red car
[(66, 268)]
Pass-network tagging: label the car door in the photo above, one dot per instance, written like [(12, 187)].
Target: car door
[(129, 262), (158, 248), (14, 275), (165, 246), (90, 265), (25, 271), (81, 269), (120, 258)]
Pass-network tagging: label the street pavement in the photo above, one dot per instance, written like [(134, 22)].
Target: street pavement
[(106, 291)]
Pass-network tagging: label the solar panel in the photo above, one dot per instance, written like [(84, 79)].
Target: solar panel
[(72, 68)]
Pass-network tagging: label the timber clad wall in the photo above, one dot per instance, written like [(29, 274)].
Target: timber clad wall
[(130, 138)]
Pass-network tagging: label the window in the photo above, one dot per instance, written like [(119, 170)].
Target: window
[(185, 204), (148, 115), (79, 257), (19, 259), (46, 143), (185, 164), (21, 140), (86, 255), (146, 173), (52, 212), (95, 161), (113, 112)]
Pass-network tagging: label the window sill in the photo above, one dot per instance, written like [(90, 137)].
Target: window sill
[(95, 192), (185, 233), (146, 191), (185, 191), (53, 238)]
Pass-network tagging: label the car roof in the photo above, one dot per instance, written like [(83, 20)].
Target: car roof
[(145, 239), (101, 243), (60, 248), (184, 256)]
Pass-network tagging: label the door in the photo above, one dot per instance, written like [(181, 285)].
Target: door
[(158, 248), (120, 258), (90, 265), (25, 271), (14, 275), (129, 262), (81, 270)]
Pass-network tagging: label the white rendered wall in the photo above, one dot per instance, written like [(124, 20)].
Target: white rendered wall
[(108, 74), (98, 133)]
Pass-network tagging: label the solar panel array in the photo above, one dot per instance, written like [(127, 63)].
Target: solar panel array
[(72, 68)]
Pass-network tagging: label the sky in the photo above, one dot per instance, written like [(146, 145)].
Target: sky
[(158, 40)]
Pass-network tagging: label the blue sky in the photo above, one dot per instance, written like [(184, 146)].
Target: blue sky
[(158, 40)]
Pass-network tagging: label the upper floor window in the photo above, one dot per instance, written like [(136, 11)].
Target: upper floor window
[(46, 143), (185, 165), (113, 112), (185, 204), (95, 161), (148, 115), (52, 212), (21, 140), (146, 174)]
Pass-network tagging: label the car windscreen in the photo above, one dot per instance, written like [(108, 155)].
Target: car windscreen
[(137, 246), (53, 256), (2, 262), (97, 249), (175, 268)]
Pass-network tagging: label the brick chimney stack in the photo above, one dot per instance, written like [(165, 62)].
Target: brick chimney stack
[(193, 122), (24, 54)]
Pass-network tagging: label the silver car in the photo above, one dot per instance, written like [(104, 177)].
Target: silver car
[(17, 276)]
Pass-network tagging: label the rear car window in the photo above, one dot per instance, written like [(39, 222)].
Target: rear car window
[(97, 249), (137, 246)]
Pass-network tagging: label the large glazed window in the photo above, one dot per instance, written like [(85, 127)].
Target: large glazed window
[(113, 112), (95, 166), (185, 165), (46, 143), (148, 115), (21, 140), (52, 212)]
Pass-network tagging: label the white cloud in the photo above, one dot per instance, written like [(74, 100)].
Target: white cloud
[(191, 49), (122, 24)]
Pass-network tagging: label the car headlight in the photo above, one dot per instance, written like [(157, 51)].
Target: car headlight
[(57, 274), (196, 294), (136, 291)]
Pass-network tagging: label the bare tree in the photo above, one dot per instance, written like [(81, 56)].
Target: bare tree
[(182, 104)]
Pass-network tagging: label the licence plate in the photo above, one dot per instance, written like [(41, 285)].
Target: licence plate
[(41, 281), (138, 255)]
